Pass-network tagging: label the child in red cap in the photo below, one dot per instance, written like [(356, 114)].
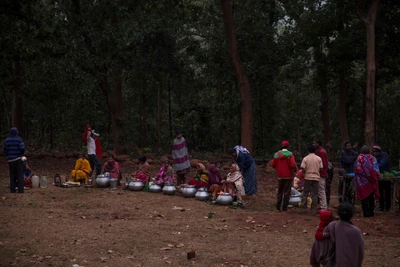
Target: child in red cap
[(320, 249)]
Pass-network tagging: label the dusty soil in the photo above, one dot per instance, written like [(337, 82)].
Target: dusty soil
[(100, 227)]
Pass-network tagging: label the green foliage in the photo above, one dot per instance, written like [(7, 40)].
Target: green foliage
[(290, 50)]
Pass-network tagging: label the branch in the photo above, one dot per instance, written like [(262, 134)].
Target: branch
[(356, 6)]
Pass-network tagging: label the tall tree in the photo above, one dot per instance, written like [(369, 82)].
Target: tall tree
[(370, 93), (241, 76)]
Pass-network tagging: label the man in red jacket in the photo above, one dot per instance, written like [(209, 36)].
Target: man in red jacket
[(285, 166)]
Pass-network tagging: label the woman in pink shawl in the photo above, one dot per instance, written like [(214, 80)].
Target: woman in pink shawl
[(214, 180), (366, 175), (166, 173), (113, 168)]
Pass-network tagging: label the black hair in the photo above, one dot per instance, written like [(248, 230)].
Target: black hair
[(318, 141), (364, 150), (142, 158), (311, 149), (178, 131), (231, 151), (345, 211)]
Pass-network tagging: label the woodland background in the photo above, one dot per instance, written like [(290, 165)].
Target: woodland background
[(225, 72)]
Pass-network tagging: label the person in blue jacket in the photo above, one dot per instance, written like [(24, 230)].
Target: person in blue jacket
[(384, 185), (14, 148), (347, 159), (248, 168)]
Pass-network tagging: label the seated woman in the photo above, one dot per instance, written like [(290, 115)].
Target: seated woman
[(166, 172), (27, 173), (81, 171), (143, 173), (234, 184), (112, 167), (201, 178), (214, 180)]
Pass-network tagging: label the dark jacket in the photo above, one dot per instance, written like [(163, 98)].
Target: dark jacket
[(14, 147), (383, 162), (244, 161), (348, 157)]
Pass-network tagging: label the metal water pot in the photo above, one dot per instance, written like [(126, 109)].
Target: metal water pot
[(155, 188), (169, 190), (102, 181), (136, 185), (202, 194), (224, 199), (189, 191)]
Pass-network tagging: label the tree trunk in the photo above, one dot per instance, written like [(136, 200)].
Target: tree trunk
[(369, 21), (344, 129), (159, 113), (113, 96), (326, 129), (17, 100), (242, 79)]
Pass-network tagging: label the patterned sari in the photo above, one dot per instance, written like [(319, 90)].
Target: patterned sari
[(366, 175)]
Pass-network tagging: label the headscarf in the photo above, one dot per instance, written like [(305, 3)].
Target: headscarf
[(201, 166), (325, 217), (235, 168), (214, 177)]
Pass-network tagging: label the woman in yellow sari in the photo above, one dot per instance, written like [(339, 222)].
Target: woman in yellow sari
[(82, 170)]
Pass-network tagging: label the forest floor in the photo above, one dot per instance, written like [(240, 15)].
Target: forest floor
[(102, 227)]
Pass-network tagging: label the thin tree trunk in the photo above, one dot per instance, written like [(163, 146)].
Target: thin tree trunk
[(344, 129), (169, 108), (242, 79), (5, 108), (17, 100), (159, 113), (369, 21)]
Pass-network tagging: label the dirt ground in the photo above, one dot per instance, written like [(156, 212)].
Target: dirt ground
[(102, 227)]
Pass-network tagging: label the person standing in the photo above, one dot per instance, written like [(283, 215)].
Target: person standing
[(285, 165), (311, 166), (321, 152), (180, 157), (14, 148), (385, 186), (94, 150), (366, 175), (248, 168), (347, 157), (346, 246)]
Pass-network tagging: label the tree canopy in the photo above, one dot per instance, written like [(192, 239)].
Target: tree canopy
[(138, 70)]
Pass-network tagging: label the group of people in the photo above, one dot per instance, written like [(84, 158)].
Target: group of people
[(358, 170)]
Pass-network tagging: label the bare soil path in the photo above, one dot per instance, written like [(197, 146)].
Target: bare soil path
[(101, 227)]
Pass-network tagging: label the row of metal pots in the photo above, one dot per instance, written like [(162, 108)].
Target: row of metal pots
[(188, 191)]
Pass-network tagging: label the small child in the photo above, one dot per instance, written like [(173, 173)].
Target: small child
[(319, 252), (201, 178), (298, 181), (27, 173)]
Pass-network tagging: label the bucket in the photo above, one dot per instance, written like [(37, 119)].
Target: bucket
[(35, 181), (43, 182), (113, 183)]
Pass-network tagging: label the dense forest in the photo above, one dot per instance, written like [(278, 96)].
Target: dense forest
[(225, 72)]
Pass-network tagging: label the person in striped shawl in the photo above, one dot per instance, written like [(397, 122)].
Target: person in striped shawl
[(180, 156)]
